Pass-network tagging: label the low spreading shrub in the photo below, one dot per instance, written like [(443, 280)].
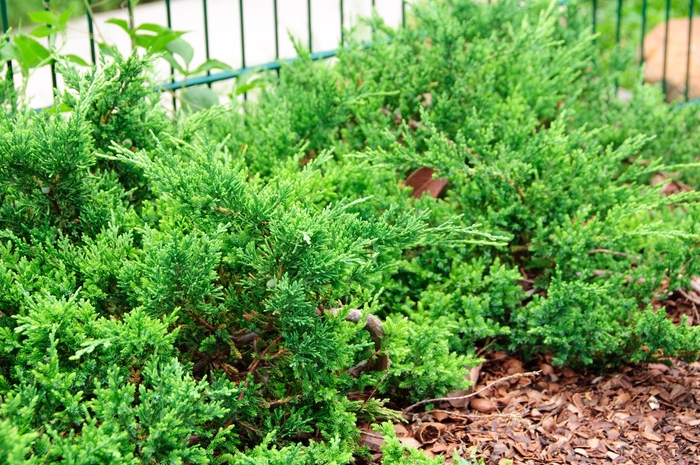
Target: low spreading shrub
[(513, 106), (210, 288), (207, 315)]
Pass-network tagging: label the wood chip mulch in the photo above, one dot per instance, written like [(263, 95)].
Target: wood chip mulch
[(632, 414), (641, 414)]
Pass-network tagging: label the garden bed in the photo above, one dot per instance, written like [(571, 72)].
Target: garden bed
[(632, 414), (455, 202)]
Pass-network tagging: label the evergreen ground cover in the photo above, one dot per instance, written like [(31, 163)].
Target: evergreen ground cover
[(214, 287)]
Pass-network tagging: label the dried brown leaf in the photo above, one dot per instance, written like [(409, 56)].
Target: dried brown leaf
[(411, 442), (482, 405), (400, 430), (421, 180)]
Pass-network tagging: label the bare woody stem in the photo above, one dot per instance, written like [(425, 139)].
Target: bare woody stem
[(488, 386), (373, 326)]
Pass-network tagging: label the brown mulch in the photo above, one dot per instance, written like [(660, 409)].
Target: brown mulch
[(644, 414), (632, 414)]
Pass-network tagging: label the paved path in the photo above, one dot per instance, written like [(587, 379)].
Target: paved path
[(224, 31)]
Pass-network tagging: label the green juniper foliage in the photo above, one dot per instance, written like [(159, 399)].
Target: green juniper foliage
[(127, 113), (204, 317), (188, 289), (514, 106)]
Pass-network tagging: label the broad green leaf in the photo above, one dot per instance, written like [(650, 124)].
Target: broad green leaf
[(212, 64), (247, 81), (181, 48), (65, 16), (8, 52), (122, 24), (42, 31), (145, 41), (44, 17), (157, 28), (75, 59), (200, 98), (62, 108), (246, 87), (31, 53), (247, 76), (155, 43), (174, 63), (161, 41)]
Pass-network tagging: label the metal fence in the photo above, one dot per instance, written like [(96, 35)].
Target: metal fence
[(341, 8)]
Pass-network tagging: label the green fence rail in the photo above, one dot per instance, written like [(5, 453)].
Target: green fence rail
[(212, 77)]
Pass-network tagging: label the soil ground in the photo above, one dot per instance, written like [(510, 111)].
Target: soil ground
[(643, 414), (630, 414)]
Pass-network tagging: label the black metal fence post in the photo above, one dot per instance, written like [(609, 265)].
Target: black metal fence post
[(690, 44), (240, 12), (51, 41), (277, 33), (243, 64), (132, 21), (91, 31), (206, 35), (644, 30), (403, 13), (618, 26), (595, 15), (5, 27), (172, 70), (342, 23), (663, 73), (308, 20)]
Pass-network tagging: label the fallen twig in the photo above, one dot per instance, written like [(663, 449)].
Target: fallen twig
[(200, 320), (243, 339), (441, 399), (372, 435), (689, 297), (374, 391), (473, 416), (373, 326), (607, 251), (695, 284)]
